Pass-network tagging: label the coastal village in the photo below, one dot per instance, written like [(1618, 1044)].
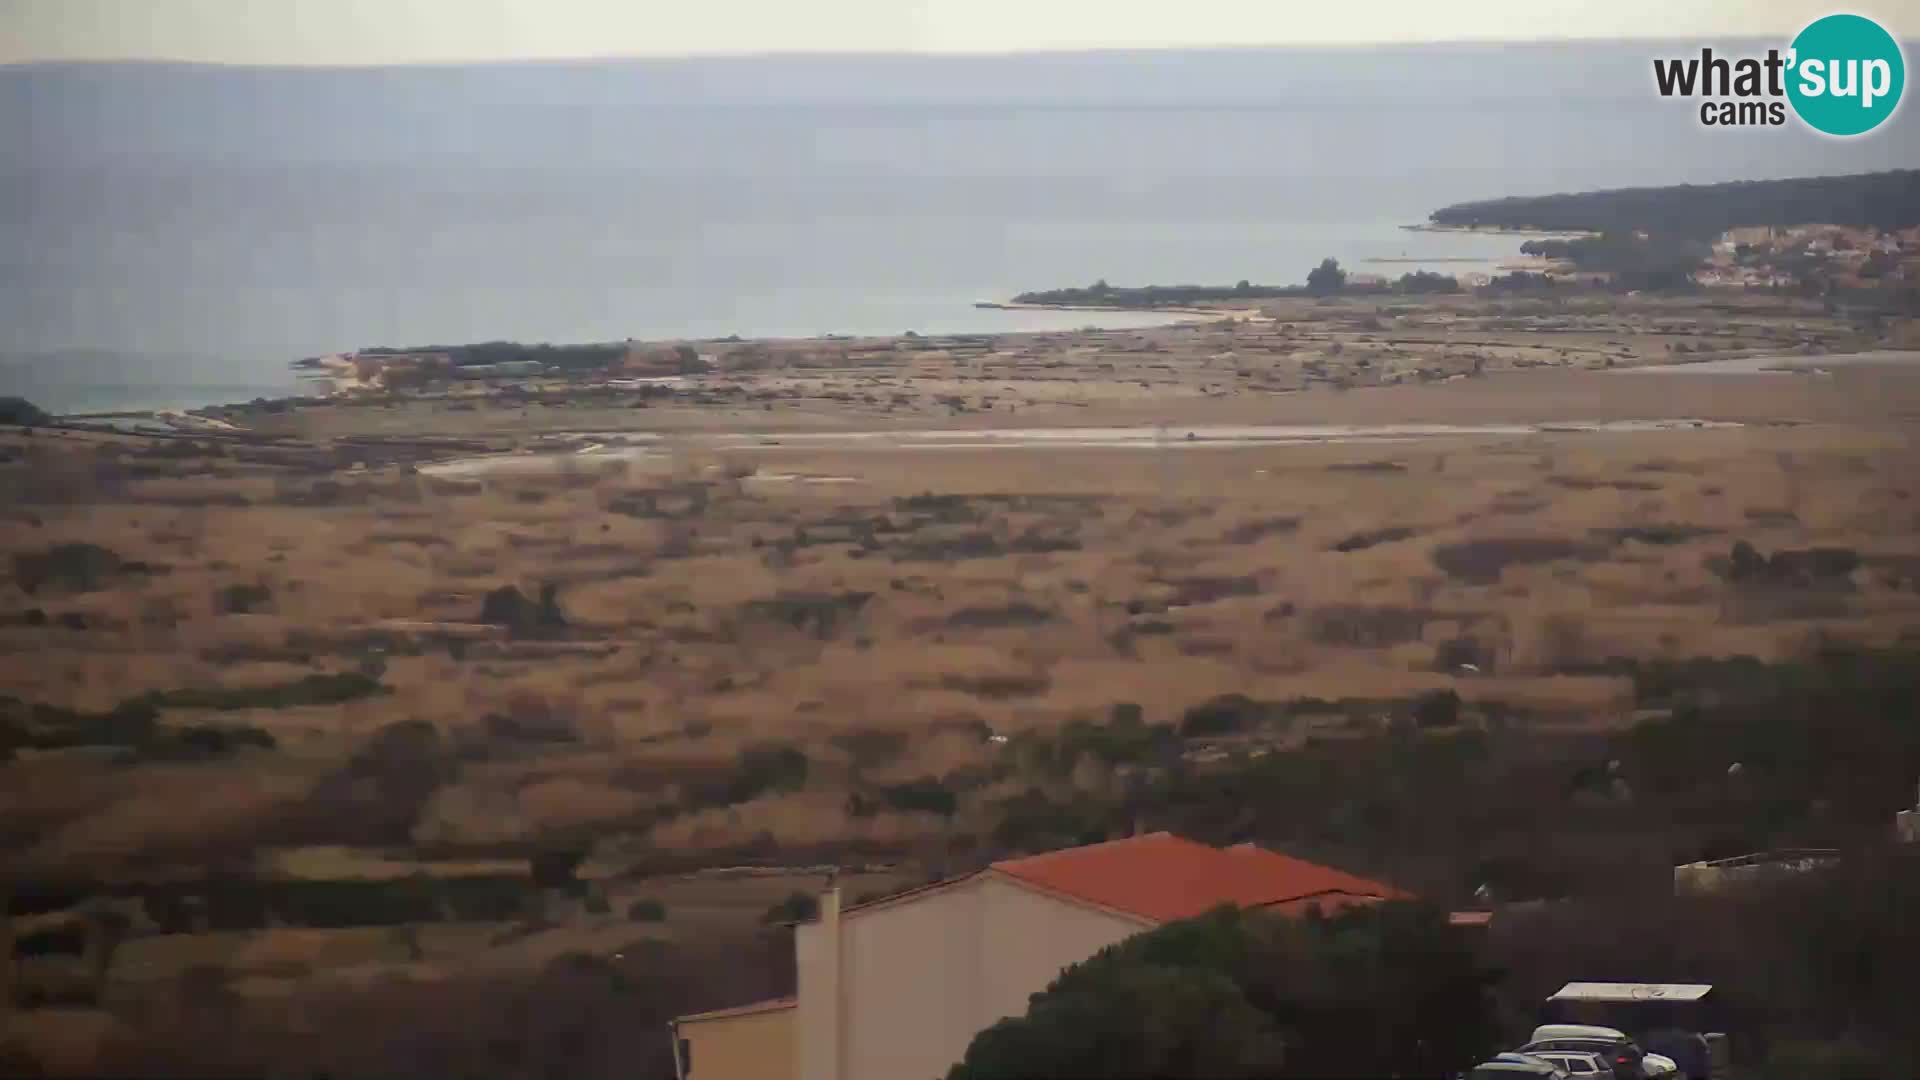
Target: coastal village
[(1785, 257)]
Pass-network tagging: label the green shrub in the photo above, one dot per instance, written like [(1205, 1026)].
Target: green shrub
[(199, 742), (241, 599), (20, 412), (341, 904), (554, 867), (871, 746), (1125, 740), (797, 907), (333, 689), (770, 767), (1481, 561), (1226, 715), (925, 795), (1387, 991), (1032, 821), (646, 909), (73, 567), (1436, 708), (507, 606)]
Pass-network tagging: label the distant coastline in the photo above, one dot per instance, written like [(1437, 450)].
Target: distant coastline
[(1523, 232)]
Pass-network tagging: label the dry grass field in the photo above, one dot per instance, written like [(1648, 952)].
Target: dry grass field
[(729, 650)]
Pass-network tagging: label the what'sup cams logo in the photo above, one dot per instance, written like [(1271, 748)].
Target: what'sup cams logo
[(1842, 75)]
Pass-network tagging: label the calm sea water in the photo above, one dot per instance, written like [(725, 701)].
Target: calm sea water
[(172, 236)]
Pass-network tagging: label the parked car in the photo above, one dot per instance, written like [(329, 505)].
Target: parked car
[(1629, 1062), (1579, 1064), (1513, 1066)]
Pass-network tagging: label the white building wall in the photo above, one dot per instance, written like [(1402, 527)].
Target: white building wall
[(813, 1017), (1031, 938), (913, 984), (919, 979)]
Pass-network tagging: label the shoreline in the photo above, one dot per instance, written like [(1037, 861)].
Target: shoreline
[(332, 376), (1183, 315), (733, 366), (1500, 230), (337, 369)]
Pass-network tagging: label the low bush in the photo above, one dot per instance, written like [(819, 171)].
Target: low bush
[(1248, 532), (1482, 561), (1363, 627), (1361, 541), (998, 686), (818, 615), (555, 867), (925, 795), (797, 907), (1124, 740), (1795, 567), (998, 617), (333, 689), (1456, 653), (768, 767), (507, 606), (1663, 535), (241, 599), (1436, 708), (1205, 590), (870, 746), (199, 742), (73, 567), (1034, 821), (1228, 714), (20, 412), (133, 725)]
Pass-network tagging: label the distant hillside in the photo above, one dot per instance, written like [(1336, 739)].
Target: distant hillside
[(1886, 200)]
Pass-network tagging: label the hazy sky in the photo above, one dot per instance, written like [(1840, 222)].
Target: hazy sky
[(398, 31)]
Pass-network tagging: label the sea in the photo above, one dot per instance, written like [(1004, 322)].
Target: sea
[(175, 235)]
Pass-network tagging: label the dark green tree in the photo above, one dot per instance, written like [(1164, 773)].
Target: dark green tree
[(1138, 1020), (1437, 708), (1378, 991), (797, 907), (1326, 278)]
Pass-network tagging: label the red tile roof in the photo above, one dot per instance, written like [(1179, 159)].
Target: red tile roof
[(1162, 877)]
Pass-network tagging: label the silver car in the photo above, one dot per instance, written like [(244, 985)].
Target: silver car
[(1627, 1060), (1579, 1064), (1512, 1066)]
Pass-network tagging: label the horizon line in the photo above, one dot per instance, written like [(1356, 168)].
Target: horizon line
[(839, 54)]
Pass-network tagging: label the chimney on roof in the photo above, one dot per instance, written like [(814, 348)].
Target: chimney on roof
[(826, 1060)]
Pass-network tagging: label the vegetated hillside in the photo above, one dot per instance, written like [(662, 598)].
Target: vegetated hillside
[(501, 352), (1886, 200), (1324, 280)]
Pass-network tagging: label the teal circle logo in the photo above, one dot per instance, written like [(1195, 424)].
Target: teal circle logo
[(1845, 75)]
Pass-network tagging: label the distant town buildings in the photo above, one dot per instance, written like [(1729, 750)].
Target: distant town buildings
[(1776, 256)]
